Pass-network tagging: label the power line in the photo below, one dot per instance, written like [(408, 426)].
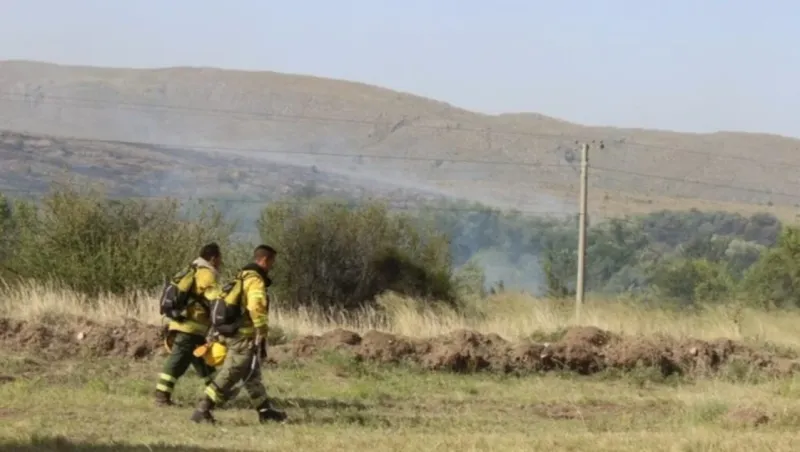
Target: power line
[(715, 155), (437, 159), (488, 162), (430, 159), (452, 160), (352, 156), (208, 148), (19, 97), (283, 117), (455, 160), (698, 182), (560, 216), (391, 204)]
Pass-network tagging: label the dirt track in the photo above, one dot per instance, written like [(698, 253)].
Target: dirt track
[(584, 350)]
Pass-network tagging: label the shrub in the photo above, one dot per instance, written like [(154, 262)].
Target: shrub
[(692, 280), (469, 281), (775, 278), (7, 230), (94, 244), (335, 256)]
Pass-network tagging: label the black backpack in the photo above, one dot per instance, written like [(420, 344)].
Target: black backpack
[(176, 295)]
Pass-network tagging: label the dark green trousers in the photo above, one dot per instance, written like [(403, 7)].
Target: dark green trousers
[(180, 359), (240, 366)]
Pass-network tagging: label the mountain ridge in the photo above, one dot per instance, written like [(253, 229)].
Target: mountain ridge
[(296, 116)]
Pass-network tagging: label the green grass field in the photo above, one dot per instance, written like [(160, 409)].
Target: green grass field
[(50, 400)]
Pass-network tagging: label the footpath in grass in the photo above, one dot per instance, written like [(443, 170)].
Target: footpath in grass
[(338, 404)]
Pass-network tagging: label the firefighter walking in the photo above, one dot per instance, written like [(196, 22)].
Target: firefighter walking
[(240, 318), (189, 321)]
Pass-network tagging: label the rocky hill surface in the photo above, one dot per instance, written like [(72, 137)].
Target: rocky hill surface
[(239, 133)]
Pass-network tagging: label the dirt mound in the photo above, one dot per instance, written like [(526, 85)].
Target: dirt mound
[(584, 350), (131, 339)]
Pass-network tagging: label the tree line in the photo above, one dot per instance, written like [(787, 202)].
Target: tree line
[(341, 255)]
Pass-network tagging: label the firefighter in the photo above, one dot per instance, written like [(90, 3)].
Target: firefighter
[(244, 333), (189, 332)]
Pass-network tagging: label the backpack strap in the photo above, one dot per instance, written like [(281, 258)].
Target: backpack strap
[(192, 297), (240, 279)]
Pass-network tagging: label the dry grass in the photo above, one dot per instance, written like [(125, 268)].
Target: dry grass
[(106, 406), (340, 405), (510, 315)]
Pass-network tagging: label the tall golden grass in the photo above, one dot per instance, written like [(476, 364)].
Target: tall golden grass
[(511, 315)]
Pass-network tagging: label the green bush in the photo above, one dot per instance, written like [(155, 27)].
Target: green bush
[(775, 278), (469, 281), (692, 280), (94, 244), (674, 228), (7, 230), (337, 256)]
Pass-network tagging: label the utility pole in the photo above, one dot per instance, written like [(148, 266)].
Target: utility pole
[(582, 220)]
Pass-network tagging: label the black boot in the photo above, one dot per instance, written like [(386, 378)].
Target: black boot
[(163, 399), (268, 414), (203, 412)]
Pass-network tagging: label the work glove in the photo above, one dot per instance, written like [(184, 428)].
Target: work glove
[(261, 347)]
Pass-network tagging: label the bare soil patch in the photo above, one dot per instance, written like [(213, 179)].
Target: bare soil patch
[(566, 411), (130, 339), (747, 417), (583, 350)]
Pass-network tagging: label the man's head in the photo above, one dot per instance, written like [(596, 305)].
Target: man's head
[(212, 254), (264, 256)]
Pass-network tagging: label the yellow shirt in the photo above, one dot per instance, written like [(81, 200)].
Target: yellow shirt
[(206, 289), (256, 303)]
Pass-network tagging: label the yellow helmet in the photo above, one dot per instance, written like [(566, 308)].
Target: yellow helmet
[(213, 354)]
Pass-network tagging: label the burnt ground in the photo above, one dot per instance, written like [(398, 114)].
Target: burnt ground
[(581, 350)]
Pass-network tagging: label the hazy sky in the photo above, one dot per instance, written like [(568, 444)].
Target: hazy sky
[(692, 65)]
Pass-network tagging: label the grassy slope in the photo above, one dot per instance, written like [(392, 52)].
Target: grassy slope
[(324, 115)]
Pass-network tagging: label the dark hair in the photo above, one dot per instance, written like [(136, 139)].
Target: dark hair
[(210, 251), (264, 251)]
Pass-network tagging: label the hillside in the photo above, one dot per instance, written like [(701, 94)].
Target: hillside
[(31, 162), (352, 130)]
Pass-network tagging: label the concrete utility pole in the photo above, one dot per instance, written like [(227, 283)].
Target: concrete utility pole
[(579, 286)]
